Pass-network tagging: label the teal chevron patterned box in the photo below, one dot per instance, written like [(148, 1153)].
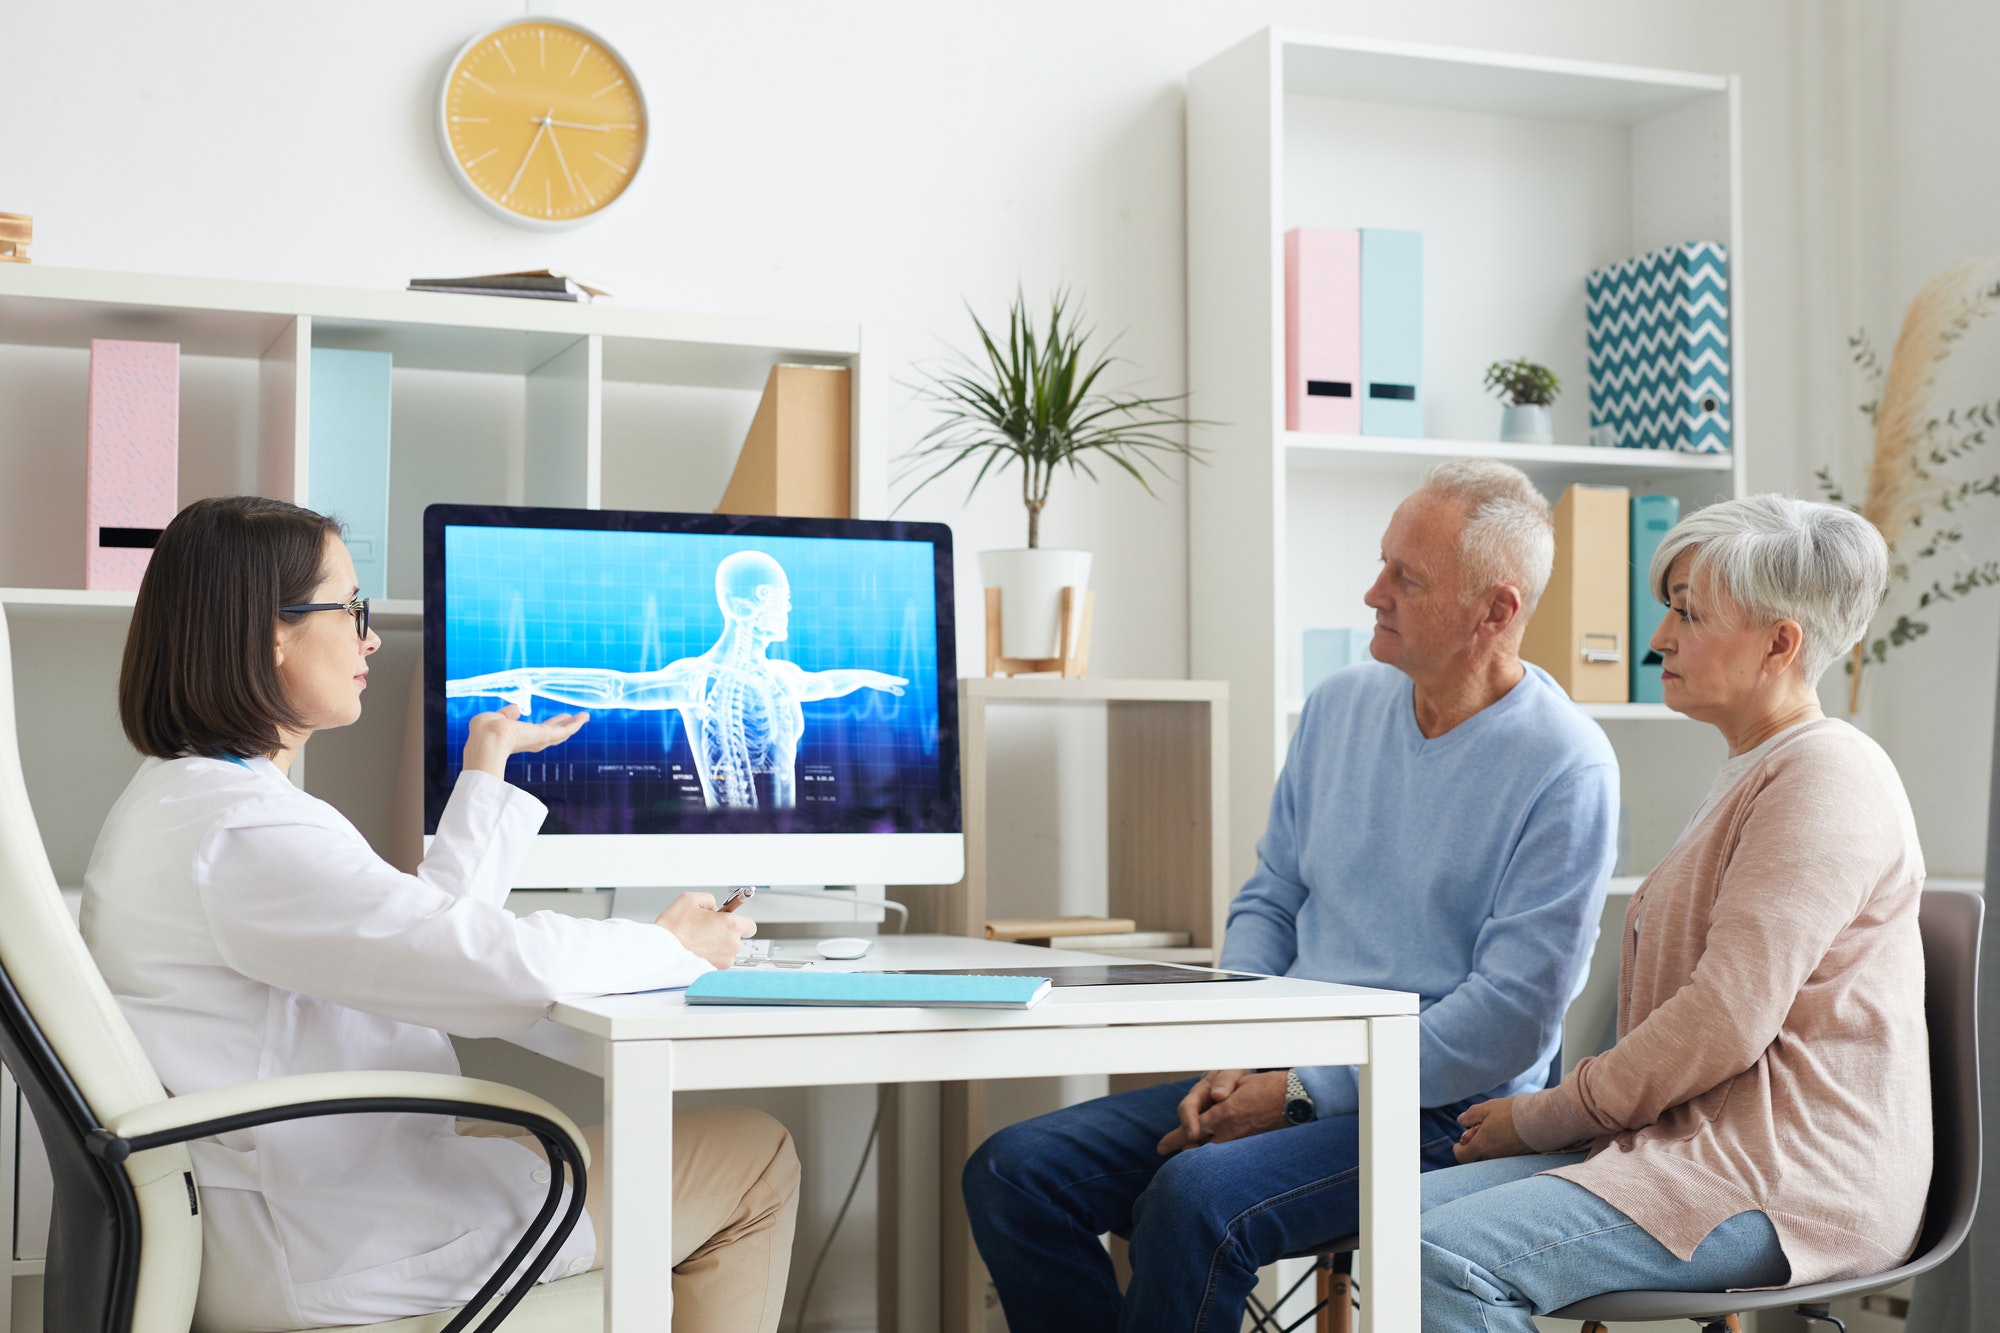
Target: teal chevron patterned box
[(1659, 350)]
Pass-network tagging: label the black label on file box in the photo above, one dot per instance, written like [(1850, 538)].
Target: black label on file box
[(128, 539), (1405, 392), (1329, 389)]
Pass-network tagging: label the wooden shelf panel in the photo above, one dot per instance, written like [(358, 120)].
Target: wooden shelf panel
[(1602, 712), (385, 612), (1055, 690), (1493, 82), (1633, 713), (1309, 452), (58, 307), (67, 599)]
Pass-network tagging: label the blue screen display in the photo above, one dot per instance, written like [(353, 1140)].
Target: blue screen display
[(735, 683)]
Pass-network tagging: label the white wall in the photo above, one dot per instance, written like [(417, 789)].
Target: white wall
[(885, 161), (1928, 200)]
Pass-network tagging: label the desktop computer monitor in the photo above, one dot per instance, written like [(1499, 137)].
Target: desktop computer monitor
[(772, 700)]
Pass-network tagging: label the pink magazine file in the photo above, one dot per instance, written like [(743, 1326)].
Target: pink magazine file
[(1323, 330), (132, 478)]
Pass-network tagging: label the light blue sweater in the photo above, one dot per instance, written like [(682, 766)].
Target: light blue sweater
[(1470, 868)]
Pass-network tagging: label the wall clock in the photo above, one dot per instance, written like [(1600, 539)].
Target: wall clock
[(542, 122)]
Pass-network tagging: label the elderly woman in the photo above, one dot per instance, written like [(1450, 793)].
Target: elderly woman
[(1764, 1119)]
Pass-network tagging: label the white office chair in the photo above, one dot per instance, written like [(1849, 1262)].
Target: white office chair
[(124, 1253)]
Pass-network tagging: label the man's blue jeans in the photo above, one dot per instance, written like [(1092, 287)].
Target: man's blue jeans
[(1201, 1223)]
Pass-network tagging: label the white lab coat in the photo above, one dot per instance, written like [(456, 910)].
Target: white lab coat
[(249, 931)]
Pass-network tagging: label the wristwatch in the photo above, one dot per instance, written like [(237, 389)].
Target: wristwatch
[(1298, 1102)]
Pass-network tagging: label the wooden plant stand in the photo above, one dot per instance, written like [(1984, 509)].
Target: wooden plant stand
[(1072, 658)]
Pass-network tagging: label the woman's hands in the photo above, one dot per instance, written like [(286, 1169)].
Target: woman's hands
[(1228, 1104), (1489, 1132), (693, 918), (491, 738), (710, 933)]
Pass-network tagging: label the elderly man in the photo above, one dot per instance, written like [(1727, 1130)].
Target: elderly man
[(1444, 824)]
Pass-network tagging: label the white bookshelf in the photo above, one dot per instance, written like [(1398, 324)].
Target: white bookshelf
[(1523, 174), (494, 401)]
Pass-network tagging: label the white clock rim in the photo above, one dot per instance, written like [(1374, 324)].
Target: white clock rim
[(442, 124)]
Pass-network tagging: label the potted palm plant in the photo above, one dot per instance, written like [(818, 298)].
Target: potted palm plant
[(1528, 390), (1030, 400)]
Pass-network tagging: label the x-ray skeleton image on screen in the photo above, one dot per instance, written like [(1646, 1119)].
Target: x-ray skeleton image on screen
[(741, 709), (772, 700)]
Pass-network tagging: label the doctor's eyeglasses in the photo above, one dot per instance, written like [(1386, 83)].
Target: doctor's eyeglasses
[(358, 608)]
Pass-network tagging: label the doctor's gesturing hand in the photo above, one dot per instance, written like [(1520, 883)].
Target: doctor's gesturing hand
[(492, 738), (693, 918)]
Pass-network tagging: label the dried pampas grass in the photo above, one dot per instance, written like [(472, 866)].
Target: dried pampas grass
[(1937, 318), (1940, 315)]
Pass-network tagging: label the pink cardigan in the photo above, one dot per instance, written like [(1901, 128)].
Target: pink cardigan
[(1772, 1052)]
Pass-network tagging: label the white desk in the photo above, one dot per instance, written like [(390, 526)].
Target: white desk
[(648, 1047)]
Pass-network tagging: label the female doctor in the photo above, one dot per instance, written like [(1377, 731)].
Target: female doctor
[(248, 931)]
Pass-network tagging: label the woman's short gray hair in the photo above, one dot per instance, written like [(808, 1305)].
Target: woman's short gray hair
[(1784, 559), (1508, 535)]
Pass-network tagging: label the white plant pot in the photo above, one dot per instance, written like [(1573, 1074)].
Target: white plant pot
[(1031, 583), (1527, 423)]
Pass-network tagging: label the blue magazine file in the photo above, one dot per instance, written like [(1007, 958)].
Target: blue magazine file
[(1653, 516), (1392, 331), (349, 459), (929, 991)]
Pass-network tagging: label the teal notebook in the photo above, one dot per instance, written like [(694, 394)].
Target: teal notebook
[(936, 990)]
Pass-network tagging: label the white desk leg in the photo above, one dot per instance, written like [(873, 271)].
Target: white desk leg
[(638, 1186), (1387, 1267)]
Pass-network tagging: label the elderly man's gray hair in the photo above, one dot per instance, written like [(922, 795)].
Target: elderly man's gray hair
[(1784, 559), (1508, 536)]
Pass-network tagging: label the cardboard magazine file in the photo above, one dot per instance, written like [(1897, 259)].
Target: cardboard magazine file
[(796, 460), (1581, 632)]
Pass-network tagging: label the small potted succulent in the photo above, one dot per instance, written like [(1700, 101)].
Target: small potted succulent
[(1528, 390), (1030, 399)]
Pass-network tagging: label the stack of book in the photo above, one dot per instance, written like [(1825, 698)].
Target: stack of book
[(16, 230), (540, 284), (1098, 934)]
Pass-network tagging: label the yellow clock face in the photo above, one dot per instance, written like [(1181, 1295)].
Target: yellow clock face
[(542, 122)]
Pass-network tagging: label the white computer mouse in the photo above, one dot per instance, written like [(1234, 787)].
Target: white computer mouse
[(844, 947)]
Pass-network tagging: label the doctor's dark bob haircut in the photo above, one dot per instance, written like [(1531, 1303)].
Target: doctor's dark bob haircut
[(200, 676)]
